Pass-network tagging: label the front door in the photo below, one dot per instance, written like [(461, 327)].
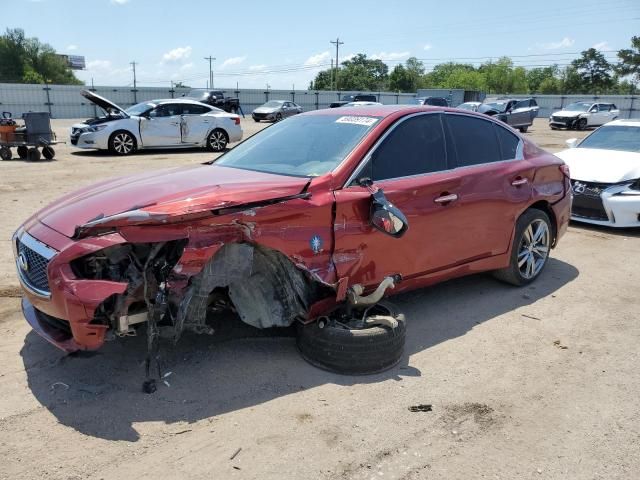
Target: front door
[(161, 127)]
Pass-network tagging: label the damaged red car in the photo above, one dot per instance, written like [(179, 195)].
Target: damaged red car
[(313, 221)]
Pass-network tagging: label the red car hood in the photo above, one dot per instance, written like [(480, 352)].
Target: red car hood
[(177, 191)]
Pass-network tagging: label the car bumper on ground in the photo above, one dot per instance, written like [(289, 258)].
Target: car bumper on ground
[(606, 206)]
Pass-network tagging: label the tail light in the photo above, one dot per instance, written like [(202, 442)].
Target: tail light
[(236, 120)]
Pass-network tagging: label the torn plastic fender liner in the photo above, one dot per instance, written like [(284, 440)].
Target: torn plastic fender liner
[(265, 286), (173, 213)]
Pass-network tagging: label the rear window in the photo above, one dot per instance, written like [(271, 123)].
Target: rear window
[(474, 140), (508, 142)]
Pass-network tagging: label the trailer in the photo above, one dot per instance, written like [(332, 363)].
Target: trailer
[(32, 141)]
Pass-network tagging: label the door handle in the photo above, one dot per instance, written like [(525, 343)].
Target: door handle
[(446, 198), (519, 181)]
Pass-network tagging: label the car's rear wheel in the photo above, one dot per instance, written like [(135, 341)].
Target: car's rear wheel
[(122, 143), (530, 249), (370, 342), (217, 140), (581, 124), (278, 117)]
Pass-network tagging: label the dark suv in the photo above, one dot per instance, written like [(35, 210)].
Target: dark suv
[(358, 97)]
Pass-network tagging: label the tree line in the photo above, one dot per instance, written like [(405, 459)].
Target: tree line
[(27, 60), (590, 73)]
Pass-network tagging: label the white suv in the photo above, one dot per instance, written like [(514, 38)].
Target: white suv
[(580, 115)]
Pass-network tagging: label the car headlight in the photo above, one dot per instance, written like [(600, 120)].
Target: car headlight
[(97, 128)]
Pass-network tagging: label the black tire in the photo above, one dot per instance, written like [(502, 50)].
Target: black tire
[(278, 117), (5, 153), (256, 120), (122, 143), (514, 273), (33, 154), (353, 352), (523, 129), (22, 151), (48, 152), (217, 140), (581, 124)]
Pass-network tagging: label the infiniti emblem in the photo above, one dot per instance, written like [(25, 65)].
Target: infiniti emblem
[(23, 262), (579, 187)]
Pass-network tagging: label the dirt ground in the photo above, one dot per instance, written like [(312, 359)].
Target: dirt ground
[(538, 382)]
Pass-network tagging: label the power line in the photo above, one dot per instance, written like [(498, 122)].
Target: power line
[(337, 43), (211, 59)]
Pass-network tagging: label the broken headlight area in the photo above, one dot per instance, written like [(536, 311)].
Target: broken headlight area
[(125, 262)]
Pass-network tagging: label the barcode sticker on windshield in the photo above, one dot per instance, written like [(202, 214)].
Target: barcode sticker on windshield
[(366, 121)]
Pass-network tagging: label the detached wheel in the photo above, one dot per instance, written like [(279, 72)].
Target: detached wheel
[(22, 151), (33, 154), (530, 249), (5, 153), (217, 140), (581, 124), (48, 152), (338, 347), (122, 143)]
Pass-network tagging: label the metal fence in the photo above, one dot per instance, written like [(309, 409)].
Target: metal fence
[(65, 101)]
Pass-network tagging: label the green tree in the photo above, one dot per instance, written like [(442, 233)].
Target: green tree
[(536, 77), (630, 61), (594, 71), (362, 73), (27, 60), (322, 81)]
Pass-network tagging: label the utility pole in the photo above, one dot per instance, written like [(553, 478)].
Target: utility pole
[(211, 59), (135, 83), (337, 43), (331, 76)]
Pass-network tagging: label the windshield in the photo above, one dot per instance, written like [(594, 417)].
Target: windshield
[(305, 146), (140, 108), (578, 107), (499, 107), (273, 104), (619, 137)]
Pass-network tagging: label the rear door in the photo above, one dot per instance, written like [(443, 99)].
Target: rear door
[(195, 124), (495, 183), (520, 114), (162, 127)]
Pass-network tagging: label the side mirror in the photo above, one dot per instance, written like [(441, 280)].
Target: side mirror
[(384, 216), (572, 142)]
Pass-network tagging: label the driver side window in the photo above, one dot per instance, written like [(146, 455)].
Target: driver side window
[(415, 146)]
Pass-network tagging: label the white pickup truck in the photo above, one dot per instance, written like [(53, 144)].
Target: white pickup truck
[(580, 115)]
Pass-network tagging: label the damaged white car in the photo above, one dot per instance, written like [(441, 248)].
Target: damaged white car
[(170, 123)]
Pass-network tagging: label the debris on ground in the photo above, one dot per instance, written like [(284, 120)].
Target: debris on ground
[(530, 316), (421, 408), (558, 344), (235, 454)]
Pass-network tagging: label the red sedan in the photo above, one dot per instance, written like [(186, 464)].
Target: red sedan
[(311, 221)]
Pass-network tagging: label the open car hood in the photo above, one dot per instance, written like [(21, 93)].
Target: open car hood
[(166, 196), (102, 102)]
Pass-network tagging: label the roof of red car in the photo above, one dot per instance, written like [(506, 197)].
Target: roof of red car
[(375, 110)]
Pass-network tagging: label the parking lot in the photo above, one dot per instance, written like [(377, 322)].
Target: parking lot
[(537, 382)]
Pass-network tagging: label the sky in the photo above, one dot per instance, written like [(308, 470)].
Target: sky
[(282, 44)]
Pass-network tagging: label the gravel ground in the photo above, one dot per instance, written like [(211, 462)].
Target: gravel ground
[(539, 382)]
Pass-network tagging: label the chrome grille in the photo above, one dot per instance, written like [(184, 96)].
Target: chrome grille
[(32, 260)]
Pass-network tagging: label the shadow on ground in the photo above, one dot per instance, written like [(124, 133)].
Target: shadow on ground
[(100, 394), (150, 151)]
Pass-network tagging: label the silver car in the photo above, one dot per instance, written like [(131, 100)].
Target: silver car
[(276, 110)]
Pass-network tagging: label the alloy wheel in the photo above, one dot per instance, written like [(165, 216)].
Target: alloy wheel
[(534, 248), (123, 143), (217, 140)]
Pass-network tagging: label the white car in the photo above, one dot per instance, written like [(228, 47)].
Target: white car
[(580, 115), (170, 123), (361, 104), (471, 106), (605, 175)]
